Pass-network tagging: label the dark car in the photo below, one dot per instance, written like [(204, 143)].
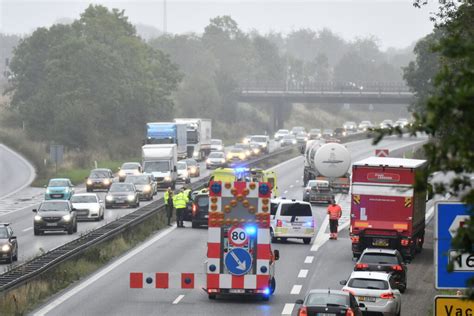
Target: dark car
[(328, 302), (194, 169), (122, 194), (384, 260), (145, 186), (200, 209), (8, 244), (340, 132), (55, 216), (100, 179)]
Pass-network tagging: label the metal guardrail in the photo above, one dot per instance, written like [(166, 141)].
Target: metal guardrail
[(33, 268), (325, 87)]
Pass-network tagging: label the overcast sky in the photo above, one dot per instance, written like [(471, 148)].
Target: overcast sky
[(396, 23)]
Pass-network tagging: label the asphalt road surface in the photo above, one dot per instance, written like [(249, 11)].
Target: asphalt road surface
[(15, 172), (301, 267)]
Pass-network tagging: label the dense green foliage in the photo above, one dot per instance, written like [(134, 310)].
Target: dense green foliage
[(94, 80)]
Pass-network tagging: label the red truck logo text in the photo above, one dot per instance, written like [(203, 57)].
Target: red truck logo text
[(383, 177)]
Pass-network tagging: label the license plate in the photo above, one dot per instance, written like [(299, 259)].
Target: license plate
[(56, 195), (237, 291), (380, 242), (366, 299), (51, 224)]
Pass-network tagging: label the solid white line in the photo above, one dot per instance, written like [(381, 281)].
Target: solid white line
[(297, 181), (291, 185), (296, 289), (178, 299), (284, 163), (61, 299), (285, 192), (303, 274), (27, 229), (322, 237), (309, 259), (288, 309)]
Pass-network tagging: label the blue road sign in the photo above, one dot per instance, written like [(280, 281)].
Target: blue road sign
[(238, 261), (449, 217)]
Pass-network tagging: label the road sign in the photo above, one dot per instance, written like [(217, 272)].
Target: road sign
[(450, 216), (238, 261), (237, 236), (452, 305), (381, 152)]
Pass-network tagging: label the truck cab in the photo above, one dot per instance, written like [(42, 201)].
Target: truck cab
[(160, 161)]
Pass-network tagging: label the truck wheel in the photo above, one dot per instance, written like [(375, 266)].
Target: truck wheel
[(37, 232), (272, 234), (306, 240), (272, 285), (70, 231)]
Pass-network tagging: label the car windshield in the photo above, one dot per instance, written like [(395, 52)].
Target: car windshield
[(181, 166), (237, 150), (243, 146), (379, 258), (156, 166), (54, 207), (58, 183), (129, 166), (289, 137), (203, 201), (365, 123), (216, 142), (283, 131), (323, 299), (83, 199), (137, 179), (99, 174), (368, 284), (315, 131), (311, 183), (258, 139), (121, 187), (216, 155), (296, 209), (191, 162), (273, 208), (328, 131), (3, 232)]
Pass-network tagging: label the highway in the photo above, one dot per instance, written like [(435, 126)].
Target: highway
[(16, 173), (301, 267)]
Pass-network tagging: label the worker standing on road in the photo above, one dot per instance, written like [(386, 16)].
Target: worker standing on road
[(335, 213), (169, 204), (179, 201)]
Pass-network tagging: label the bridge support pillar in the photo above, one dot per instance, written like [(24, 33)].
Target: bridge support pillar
[(278, 114)]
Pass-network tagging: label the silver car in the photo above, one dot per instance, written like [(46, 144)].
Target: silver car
[(375, 292), (88, 206)]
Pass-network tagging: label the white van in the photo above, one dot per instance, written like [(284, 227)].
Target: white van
[(291, 219)]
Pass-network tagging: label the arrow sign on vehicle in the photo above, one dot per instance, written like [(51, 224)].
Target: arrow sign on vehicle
[(240, 265)]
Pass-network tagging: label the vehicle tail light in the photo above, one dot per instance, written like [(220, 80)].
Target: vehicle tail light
[(307, 190), (387, 296), (303, 311), (355, 239), (194, 209), (397, 268), (349, 312), (279, 223), (361, 266), (404, 242)]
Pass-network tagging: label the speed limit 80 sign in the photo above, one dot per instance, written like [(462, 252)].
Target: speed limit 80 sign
[(237, 236)]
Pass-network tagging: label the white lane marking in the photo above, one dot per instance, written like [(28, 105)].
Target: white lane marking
[(296, 289), (297, 181), (61, 299), (291, 185), (285, 192), (322, 237), (284, 163), (27, 229), (178, 299), (288, 309), (309, 259), (303, 274)]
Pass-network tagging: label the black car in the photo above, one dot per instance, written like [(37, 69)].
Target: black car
[(100, 179), (194, 170), (144, 184), (8, 244), (55, 215), (384, 260), (328, 302), (122, 194), (200, 209)]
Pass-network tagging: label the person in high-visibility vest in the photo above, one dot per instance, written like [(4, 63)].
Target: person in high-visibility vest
[(169, 204), (335, 213), (179, 202)]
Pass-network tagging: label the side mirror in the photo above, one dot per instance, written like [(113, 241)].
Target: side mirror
[(299, 302), (74, 209), (100, 201), (276, 254), (34, 210), (343, 282), (361, 305)]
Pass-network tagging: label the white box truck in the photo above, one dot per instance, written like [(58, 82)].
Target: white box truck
[(159, 160)]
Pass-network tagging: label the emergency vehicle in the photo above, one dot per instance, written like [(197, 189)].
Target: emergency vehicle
[(386, 211)]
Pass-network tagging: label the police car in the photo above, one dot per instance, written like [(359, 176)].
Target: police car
[(291, 219)]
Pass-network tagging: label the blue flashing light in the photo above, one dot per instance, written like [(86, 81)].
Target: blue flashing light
[(266, 291), (216, 187), (264, 189), (251, 230), (240, 169), (309, 224), (263, 269), (212, 268), (149, 280)]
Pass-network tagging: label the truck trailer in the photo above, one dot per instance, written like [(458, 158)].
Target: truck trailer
[(198, 137), (167, 133)]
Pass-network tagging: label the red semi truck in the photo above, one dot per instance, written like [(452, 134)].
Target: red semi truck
[(386, 211)]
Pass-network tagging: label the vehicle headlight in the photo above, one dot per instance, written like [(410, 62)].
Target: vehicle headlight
[(193, 169), (122, 173), (66, 190), (264, 145), (67, 217), (242, 156), (147, 188), (106, 181), (229, 156), (38, 218), (136, 172), (222, 160), (89, 181), (6, 248), (208, 160), (95, 210), (131, 197), (167, 178), (294, 141), (109, 198), (196, 154)]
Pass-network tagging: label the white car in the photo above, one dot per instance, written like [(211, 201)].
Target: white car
[(375, 292), (280, 133), (386, 124), (183, 174), (129, 168), (402, 123), (365, 125), (291, 219), (88, 206), (217, 145), (350, 126), (261, 140)]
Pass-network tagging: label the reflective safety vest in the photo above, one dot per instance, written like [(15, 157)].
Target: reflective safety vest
[(180, 200), (187, 192), (167, 196), (334, 211)]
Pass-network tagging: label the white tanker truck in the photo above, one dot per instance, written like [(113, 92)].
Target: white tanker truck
[(329, 162)]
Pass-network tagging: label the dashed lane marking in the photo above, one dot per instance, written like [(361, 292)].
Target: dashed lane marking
[(27, 229), (297, 181), (309, 259), (296, 289), (285, 192), (288, 309), (178, 299), (303, 274), (291, 185)]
